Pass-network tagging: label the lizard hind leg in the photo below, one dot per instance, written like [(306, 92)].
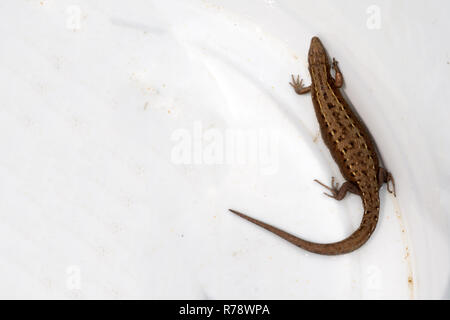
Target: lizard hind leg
[(339, 193), (385, 176)]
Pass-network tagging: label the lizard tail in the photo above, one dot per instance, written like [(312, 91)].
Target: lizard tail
[(349, 244)]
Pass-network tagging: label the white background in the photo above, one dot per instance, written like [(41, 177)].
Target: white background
[(93, 203)]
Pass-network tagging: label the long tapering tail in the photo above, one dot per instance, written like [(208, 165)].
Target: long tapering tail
[(349, 244)]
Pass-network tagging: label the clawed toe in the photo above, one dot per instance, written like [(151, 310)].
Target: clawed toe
[(333, 189), (296, 83), (391, 179)]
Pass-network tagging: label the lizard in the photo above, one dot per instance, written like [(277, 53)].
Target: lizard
[(351, 147)]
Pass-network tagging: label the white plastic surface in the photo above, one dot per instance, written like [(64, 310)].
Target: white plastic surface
[(99, 101)]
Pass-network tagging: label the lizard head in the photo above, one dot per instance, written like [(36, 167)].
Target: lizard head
[(317, 54)]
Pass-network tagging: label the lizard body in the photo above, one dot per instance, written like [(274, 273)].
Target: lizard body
[(351, 147)]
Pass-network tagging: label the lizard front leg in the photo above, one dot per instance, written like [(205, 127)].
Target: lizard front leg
[(339, 193), (338, 78), (297, 84)]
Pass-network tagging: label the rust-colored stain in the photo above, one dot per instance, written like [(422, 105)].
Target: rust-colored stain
[(411, 284), (407, 255)]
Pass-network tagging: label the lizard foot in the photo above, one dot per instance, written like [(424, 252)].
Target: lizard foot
[(335, 63), (338, 78), (334, 189), (339, 193), (390, 178), (297, 84)]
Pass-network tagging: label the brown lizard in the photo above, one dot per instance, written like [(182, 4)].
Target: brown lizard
[(352, 148)]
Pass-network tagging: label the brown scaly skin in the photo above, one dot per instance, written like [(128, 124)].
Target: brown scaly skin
[(351, 147)]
